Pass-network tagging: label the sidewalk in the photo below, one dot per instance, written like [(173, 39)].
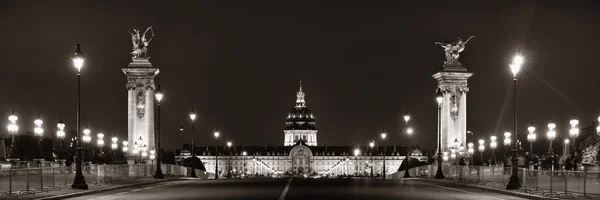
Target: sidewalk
[(482, 187), (67, 192)]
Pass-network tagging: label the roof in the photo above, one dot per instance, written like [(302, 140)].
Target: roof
[(300, 117)]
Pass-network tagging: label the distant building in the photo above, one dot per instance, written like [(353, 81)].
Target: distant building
[(300, 155)]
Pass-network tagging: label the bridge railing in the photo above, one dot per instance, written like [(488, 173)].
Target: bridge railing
[(34, 177), (560, 184)]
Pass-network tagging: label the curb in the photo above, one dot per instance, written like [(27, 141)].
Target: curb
[(507, 192), (87, 192)]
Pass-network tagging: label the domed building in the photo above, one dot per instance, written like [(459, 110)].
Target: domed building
[(300, 123), (299, 155)]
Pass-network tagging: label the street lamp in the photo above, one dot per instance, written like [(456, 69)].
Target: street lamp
[(87, 138), (372, 144), (79, 182), (125, 146), (356, 153), (506, 142), (566, 145), (531, 137), (439, 97), (408, 132), (39, 132), (574, 131), (229, 159), (13, 130), (470, 150), (481, 149), (100, 141), (513, 182), (114, 146), (244, 153), (551, 134), (383, 136), (493, 146), (216, 134), (60, 133), (159, 96), (193, 118)]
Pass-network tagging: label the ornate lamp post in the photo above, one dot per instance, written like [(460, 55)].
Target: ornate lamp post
[(507, 142), (153, 155), (566, 149), (39, 132), (551, 134), (135, 151), (531, 137), (372, 144), (13, 130), (100, 141), (79, 182), (193, 118), (409, 131), (481, 149), (356, 153), (159, 96), (513, 182), (229, 159), (87, 139), (216, 134), (574, 132), (60, 133), (114, 146), (125, 146), (493, 146), (383, 136), (244, 153), (144, 153), (439, 97), (470, 150)]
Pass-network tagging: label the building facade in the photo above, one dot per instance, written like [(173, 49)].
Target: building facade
[(300, 154)]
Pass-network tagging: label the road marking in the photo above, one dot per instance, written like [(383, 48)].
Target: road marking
[(287, 187), (462, 191)]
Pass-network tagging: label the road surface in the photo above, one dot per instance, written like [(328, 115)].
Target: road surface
[(297, 189)]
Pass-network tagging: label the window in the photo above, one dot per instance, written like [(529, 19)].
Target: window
[(304, 137)]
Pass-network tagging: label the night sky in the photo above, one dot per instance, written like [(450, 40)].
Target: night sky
[(239, 64)]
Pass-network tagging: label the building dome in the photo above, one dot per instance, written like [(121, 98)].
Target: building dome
[(300, 117)]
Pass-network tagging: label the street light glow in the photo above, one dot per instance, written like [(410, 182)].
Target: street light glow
[(372, 144), (158, 93), (481, 142), (192, 115), (406, 116), (439, 97), (409, 131), (515, 66), (60, 134), (78, 57), (228, 144), (38, 130), (566, 141)]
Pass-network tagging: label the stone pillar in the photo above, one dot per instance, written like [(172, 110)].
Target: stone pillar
[(452, 81), (140, 102)]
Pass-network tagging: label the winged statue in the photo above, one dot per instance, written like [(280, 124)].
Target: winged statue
[(453, 49), (141, 43)]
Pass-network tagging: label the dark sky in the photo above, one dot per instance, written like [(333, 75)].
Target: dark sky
[(239, 63)]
